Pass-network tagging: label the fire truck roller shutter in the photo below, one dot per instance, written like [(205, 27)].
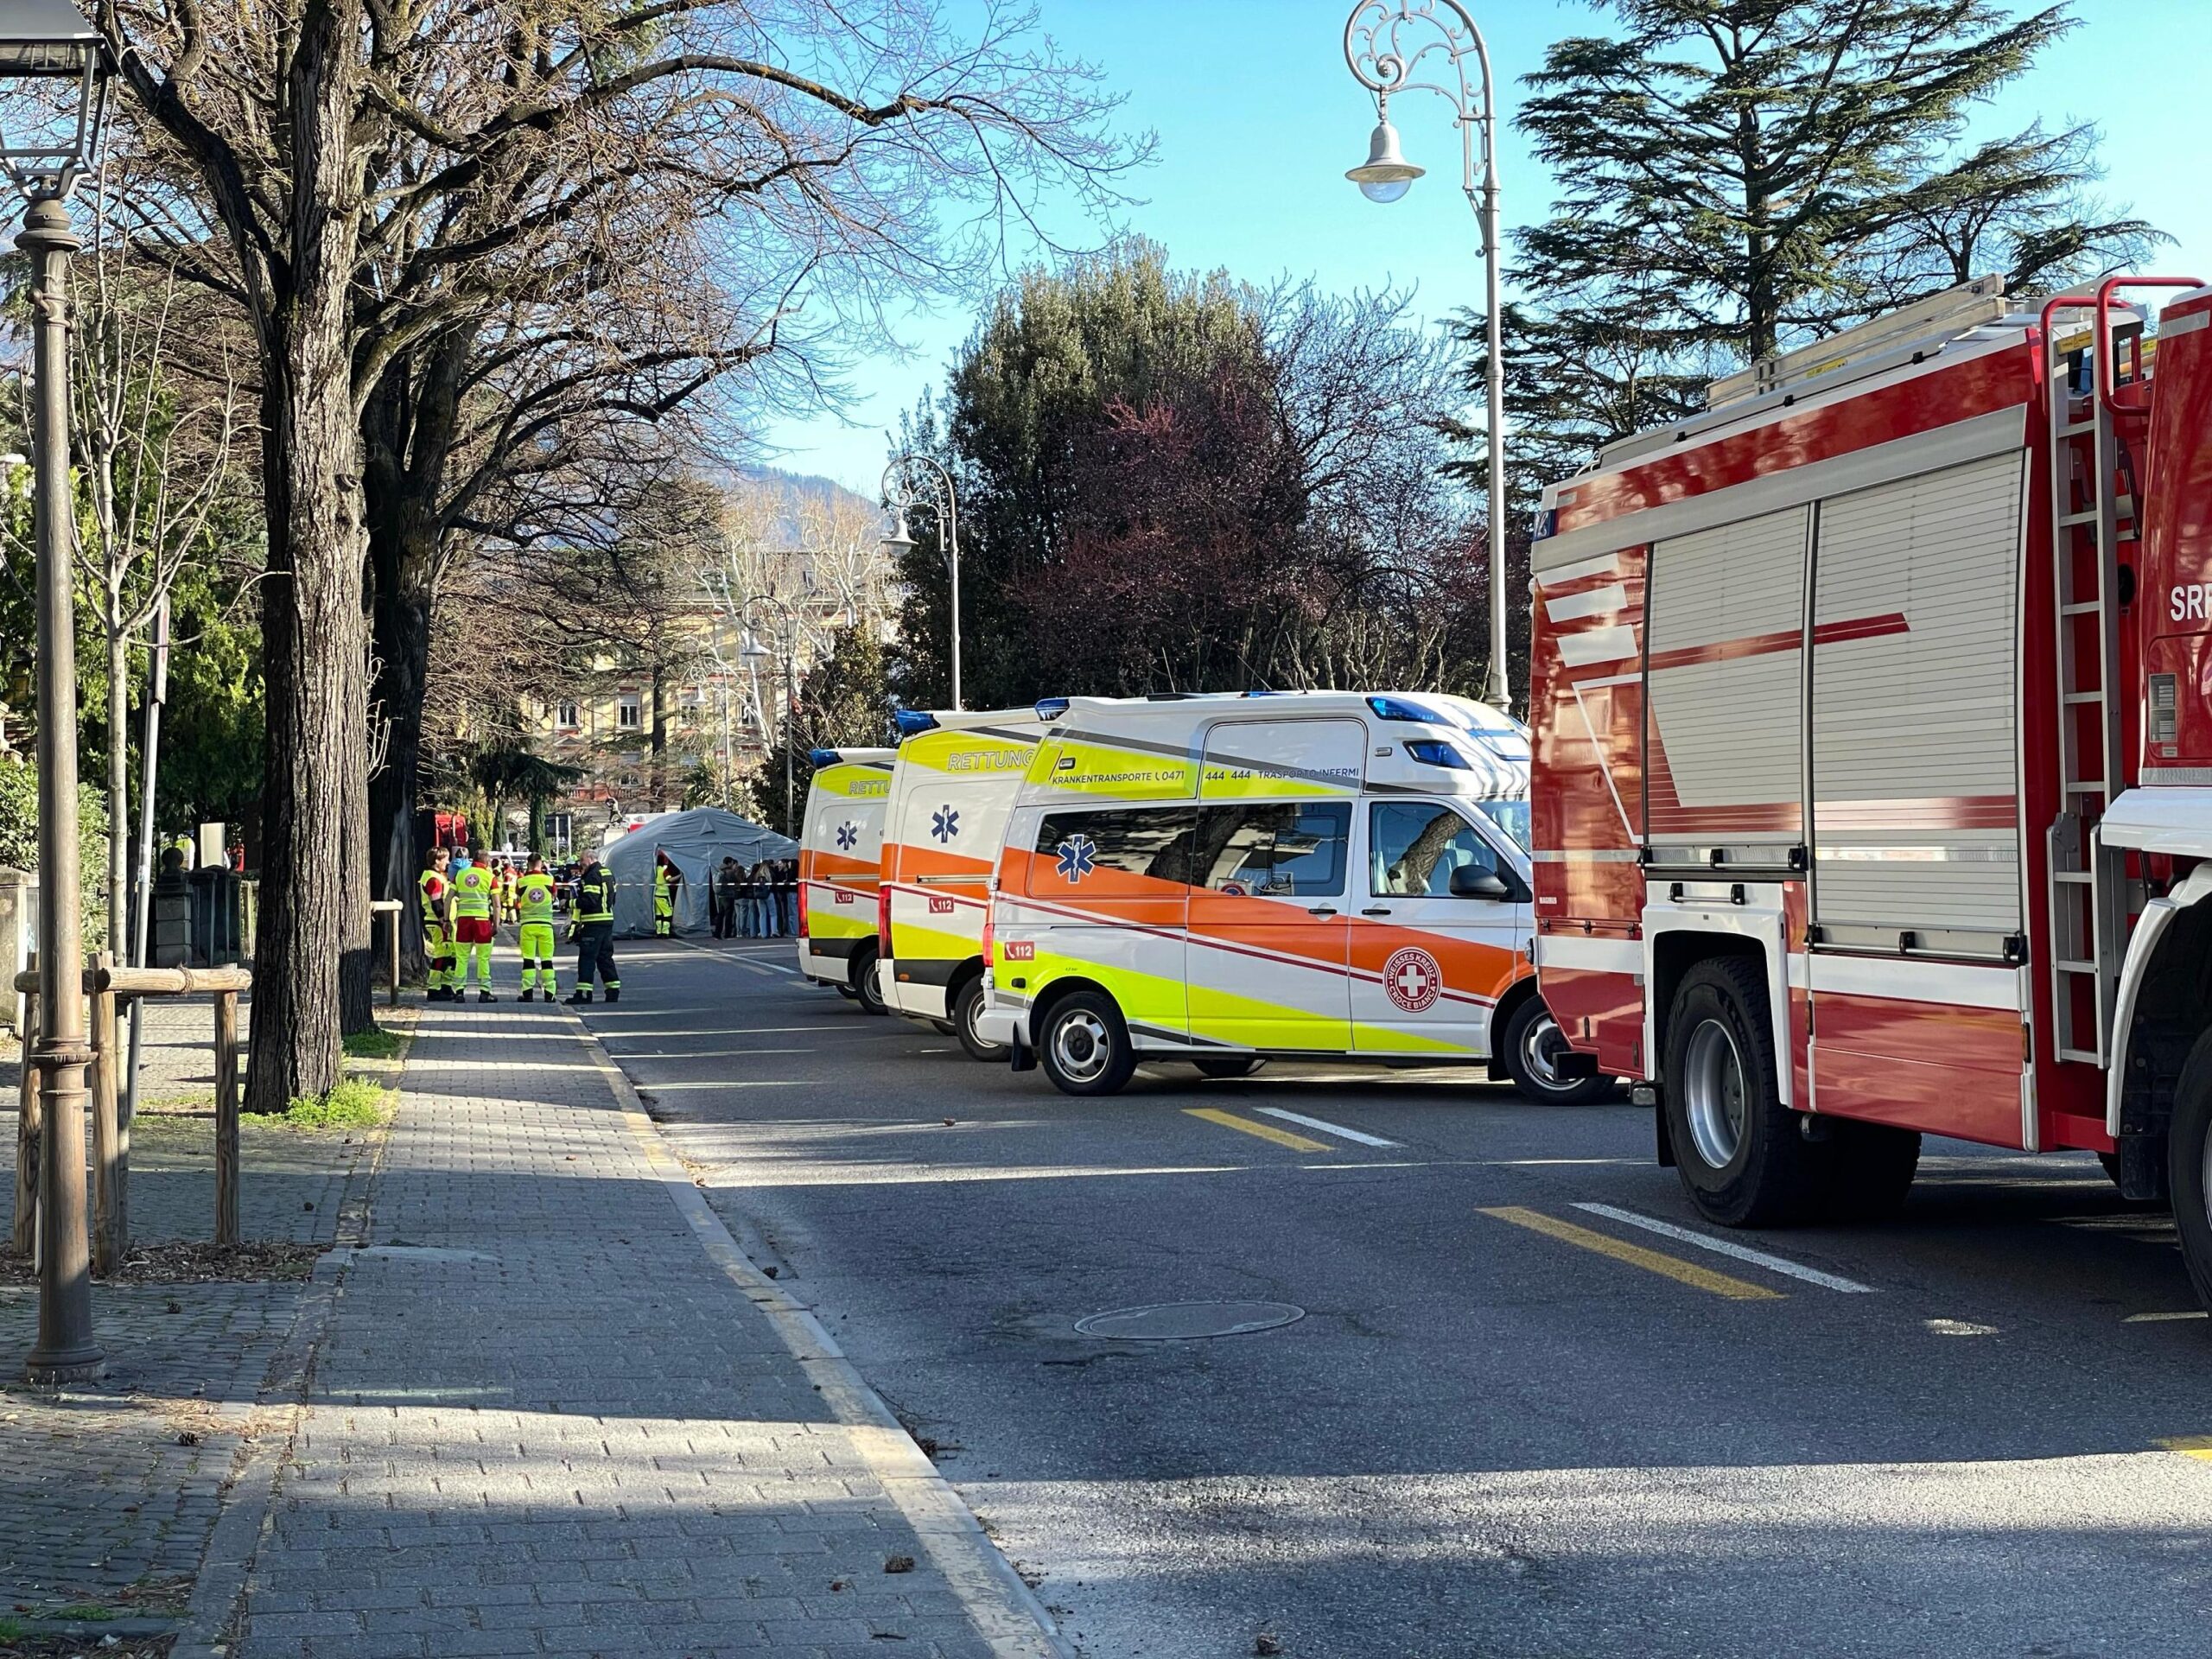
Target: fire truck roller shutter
[(1725, 748), (1915, 682)]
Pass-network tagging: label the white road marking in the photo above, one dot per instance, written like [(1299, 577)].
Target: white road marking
[(700, 1053), (1325, 1125), (758, 965), (1724, 1247), (2161, 1318)]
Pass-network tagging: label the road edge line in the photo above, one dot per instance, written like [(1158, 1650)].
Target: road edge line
[(1005, 1611)]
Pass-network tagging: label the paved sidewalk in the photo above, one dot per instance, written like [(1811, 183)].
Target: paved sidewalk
[(555, 1413)]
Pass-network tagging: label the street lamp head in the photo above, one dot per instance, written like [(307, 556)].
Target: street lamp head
[(1386, 174), (753, 651), (54, 75), (901, 541)]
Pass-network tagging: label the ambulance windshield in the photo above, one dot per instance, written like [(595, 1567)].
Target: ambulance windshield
[(1512, 817)]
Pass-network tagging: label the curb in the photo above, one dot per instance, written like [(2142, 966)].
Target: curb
[(1004, 1610), (218, 1589)]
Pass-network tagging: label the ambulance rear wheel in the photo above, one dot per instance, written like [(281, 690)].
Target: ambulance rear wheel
[(2189, 1165), (1736, 1148), (967, 1008), (865, 990), (1532, 1047), (1084, 1044)]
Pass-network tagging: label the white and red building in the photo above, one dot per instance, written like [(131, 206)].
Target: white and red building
[(1872, 718)]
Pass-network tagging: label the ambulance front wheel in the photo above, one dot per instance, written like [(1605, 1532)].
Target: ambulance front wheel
[(1738, 1150), (1533, 1045), (1084, 1044), (2189, 1165)]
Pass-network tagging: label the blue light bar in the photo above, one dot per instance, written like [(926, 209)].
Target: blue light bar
[(1051, 707), (820, 758), (1398, 709), (913, 722)]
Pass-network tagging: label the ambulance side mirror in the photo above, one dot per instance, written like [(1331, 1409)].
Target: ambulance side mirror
[(1472, 881)]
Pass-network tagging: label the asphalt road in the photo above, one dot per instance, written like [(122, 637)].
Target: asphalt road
[(1508, 1424)]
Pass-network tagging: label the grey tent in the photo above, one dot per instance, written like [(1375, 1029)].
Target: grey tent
[(697, 842)]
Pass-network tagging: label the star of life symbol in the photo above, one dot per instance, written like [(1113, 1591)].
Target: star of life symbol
[(945, 823), (1412, 980), (1078, 857), (847, 834)]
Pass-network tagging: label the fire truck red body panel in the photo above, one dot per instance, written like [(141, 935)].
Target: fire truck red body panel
[(1798, 691)]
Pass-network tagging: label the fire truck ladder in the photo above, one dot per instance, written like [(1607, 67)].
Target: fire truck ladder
[(2092, 518)]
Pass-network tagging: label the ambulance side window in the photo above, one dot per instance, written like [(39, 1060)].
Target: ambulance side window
[(1413, 847), (1274, 850), (1148, 841)]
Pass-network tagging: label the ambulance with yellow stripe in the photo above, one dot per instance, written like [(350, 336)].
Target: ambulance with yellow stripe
[(954, 782), (1217, 879), (840, 841)]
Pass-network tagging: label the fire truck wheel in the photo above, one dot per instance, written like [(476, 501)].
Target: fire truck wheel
[(1737, 1147), (1532, 1045), (866, 989), (1084, 1045), (2189, 1153), (966, 1006)]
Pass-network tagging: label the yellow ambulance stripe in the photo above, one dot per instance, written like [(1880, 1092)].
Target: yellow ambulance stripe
[(934, 943), (1007, 756), (1122, 774), (854, 781), (824, 922)]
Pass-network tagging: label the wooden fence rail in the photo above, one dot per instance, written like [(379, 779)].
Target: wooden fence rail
[(106, 984)]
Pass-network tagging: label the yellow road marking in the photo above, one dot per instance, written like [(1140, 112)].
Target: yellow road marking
[(1265, 1131), (1636, 1255), (2190, 1446)]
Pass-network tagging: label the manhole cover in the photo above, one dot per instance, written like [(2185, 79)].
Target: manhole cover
[(1180, 1321)]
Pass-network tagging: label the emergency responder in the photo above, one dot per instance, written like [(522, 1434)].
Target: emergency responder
[(594, 931), (476, 895), (534, 915), (666, 878), (437, 923), (510, 879)]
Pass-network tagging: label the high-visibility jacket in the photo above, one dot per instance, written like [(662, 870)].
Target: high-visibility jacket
[(595, 895), (661, 886), (472, 893), (432, 886), (534, 897), (507, 882)]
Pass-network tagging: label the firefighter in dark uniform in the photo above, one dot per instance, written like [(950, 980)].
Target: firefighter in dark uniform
[(594, 931)]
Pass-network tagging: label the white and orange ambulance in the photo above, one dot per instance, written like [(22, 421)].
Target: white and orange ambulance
[(955, 781), (1217, 879), (840, 839)]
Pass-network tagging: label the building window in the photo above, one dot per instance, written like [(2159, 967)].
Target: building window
[(630, 715), (557, 831), (568, 717)]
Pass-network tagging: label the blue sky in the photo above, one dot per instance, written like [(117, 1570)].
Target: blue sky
[(1257, 119)]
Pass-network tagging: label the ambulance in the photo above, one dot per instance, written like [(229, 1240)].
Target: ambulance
[(1216, 880), (956, 779), (840, 839)]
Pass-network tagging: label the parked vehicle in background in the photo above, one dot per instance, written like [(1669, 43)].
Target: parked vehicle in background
[(954, 784), (1873, 751), (1221, 879), (840, 839)]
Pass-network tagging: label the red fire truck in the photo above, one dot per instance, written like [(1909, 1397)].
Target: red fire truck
[(1872, 717)]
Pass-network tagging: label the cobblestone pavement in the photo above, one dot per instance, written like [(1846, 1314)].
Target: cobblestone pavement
[(110, 1490), (545, 1421)]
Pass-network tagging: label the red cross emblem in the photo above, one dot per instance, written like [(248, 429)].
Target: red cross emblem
[(1412, 980)]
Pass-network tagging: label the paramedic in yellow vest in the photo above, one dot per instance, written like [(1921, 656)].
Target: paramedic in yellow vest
[(534, 912), (666, 878), (476, 894), (437, 923), (593, 929)]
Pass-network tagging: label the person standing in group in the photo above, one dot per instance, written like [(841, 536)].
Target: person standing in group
[(756, 902), (787, 895), (509, 880), (475, 903), (437, 893), (534, 932), (726, 895), (666, 878), (594, 931)]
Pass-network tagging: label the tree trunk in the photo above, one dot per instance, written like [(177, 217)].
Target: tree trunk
[(401, 619), (118, 794), (313, 973)]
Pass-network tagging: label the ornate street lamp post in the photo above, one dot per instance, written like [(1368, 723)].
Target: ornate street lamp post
[(52, 95), (1386, 42), (899, 500)]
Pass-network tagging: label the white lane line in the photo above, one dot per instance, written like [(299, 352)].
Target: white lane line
[(758, 965), (1325, 1127), (700, 1053), (1724, 1247), (759, 1083), (2161, 1318)]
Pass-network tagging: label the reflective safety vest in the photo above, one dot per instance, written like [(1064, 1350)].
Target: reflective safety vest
[(534, 897), (661, 886), (596, 896), (433, 886), (472, 893), (507, 882)]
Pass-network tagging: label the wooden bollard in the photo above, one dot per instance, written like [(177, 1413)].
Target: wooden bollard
[(226, 1117), (111, 1231), (30, 1139)]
